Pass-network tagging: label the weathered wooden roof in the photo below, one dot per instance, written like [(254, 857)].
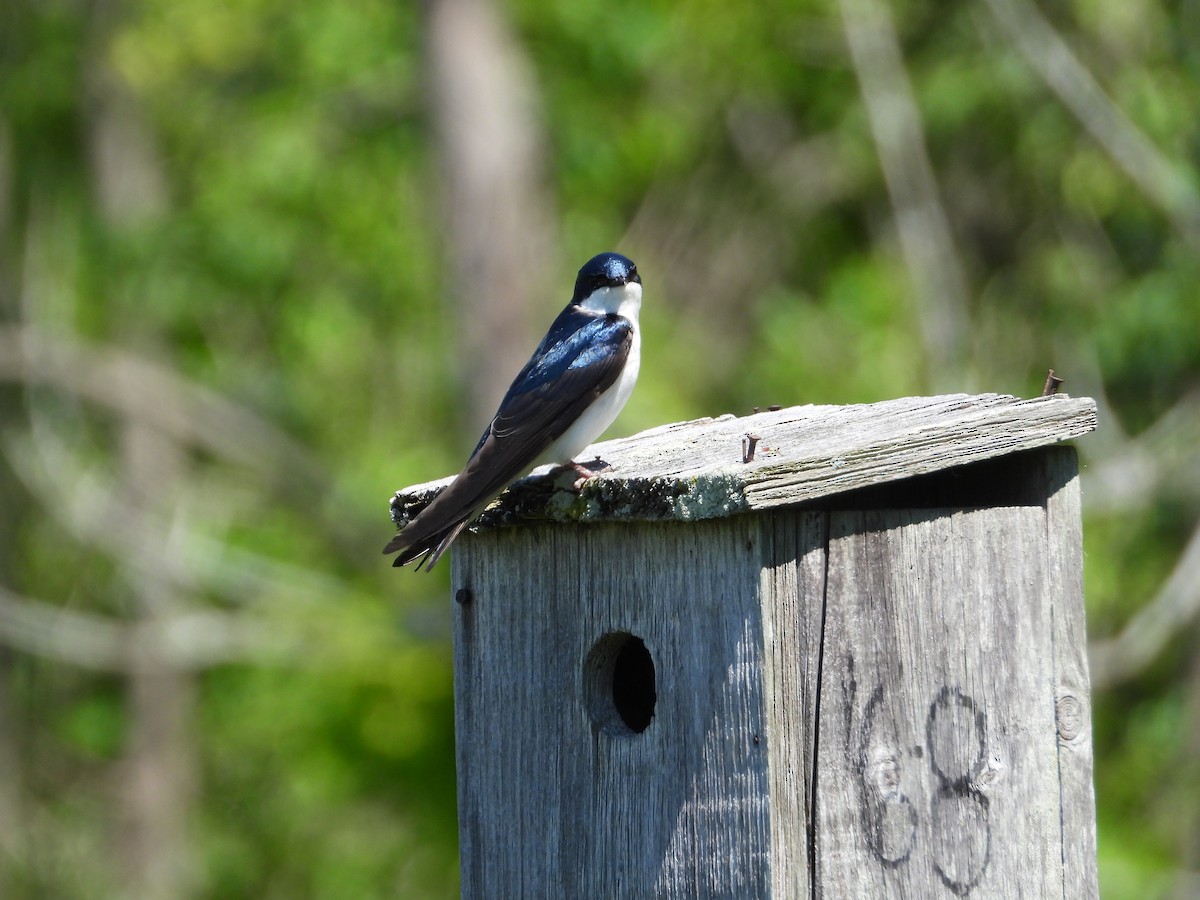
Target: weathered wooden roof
[(695, 470)]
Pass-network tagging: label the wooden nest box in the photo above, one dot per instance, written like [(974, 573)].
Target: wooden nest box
[(853, 665)]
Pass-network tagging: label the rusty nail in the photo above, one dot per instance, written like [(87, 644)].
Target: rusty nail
[(1052, 383), (749, 442)]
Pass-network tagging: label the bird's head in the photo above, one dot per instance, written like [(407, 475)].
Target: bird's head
[(609, 283)]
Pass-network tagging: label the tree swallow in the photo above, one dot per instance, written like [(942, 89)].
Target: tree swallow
[(569, 392)]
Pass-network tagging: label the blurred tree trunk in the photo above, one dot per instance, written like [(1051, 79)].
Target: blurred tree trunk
[(157, 773), (159, 769), (483, 101), (156, 783), (940, 292), (10, 777), (127, 178), (1189, 832)]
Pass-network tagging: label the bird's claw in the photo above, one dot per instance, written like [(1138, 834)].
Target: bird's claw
[(585, 472)]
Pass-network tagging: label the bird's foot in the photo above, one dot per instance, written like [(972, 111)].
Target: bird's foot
[(584, 471)]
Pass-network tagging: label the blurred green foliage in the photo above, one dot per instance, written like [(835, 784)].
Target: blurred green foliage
[(288, 254)]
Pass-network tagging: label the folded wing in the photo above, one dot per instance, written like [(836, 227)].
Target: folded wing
[(580, 358)]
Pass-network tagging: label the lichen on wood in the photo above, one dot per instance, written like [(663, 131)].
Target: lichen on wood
[(694, 470)]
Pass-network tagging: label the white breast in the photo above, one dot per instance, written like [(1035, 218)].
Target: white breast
[(624, 301)]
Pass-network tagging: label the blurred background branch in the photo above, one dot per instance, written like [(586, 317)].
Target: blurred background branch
[(1160, 179), (1174, 608), (938, 281), (138, 389), (483, 100)]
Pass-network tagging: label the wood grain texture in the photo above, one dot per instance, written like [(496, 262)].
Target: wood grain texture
[(694, 470), (1072, 702), (550, 803), (792, 591), (937, 767)]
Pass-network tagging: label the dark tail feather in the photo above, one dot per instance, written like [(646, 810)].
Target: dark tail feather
[(431, 547)]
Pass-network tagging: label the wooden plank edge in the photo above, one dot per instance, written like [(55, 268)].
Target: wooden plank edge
[(991, 428)]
